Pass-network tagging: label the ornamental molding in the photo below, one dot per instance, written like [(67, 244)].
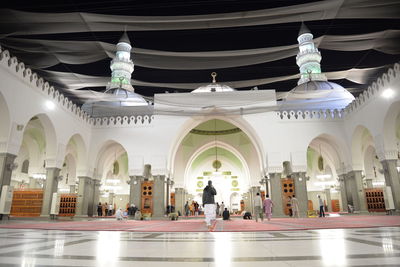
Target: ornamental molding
[(374, 90), (40, 84), (368, 95), (327, 114), (121, 121)]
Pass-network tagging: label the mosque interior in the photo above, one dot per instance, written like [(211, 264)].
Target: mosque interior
[(109, 108)]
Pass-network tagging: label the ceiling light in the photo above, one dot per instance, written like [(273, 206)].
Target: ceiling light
[(388, 93), (50, 105), (323, 176)]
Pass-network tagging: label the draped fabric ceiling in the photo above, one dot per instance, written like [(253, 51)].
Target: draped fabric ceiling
[(178, 43)]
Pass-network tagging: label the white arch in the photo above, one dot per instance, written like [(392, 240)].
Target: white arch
[(5, 120), (331, 147), (80, 149), (237, 121), (357, 143), (107, 151), (49, 133), (389, 126), (223, 145)]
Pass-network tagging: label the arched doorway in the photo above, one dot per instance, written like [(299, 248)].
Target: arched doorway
[(219, 151)]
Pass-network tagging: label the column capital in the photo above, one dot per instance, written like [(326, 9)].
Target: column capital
[(275, 169)]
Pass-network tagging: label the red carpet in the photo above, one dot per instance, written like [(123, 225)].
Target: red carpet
[(194, 225)]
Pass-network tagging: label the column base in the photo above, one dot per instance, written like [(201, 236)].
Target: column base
[(81, 216)]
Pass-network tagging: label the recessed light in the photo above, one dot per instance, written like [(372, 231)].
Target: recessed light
[(50, 105), (388, 93)]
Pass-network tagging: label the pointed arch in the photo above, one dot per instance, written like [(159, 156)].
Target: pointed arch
[(391, 126), (106, 155), (77, 147), (236, 121), (332, 148), (360, 141)]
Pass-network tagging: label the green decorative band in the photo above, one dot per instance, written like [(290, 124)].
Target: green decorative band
[(221, 132)]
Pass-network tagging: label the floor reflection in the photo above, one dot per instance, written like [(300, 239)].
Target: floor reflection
[(222, 249), (108, 248), (332, 246)]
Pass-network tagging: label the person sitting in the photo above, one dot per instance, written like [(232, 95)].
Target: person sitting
[(119, 215), (247, 215), (225, 214), (138, 215)]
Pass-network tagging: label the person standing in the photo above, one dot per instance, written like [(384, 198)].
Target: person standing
[(209, 204), (321, 207), (222, 208), (105, 209), (289, 205), (187, 210), (99, 209), (268, 207), (295, 207), (258, 204)]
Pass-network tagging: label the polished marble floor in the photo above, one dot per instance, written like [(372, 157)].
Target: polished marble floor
[(336, 247)]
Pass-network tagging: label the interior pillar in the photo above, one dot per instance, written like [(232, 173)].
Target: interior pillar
[(276, 194), (300, 190), (328, 199), (343, 192), (83, 196), (96, 195), (135, 191), (32, 183), (72, 189), (90, 198), (159, 205), (50, 187), (357, 191), (6, 159), (180, 200), (392, 180)]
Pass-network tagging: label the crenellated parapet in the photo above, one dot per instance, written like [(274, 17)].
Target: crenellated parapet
[(39, 84), (310, 114), (375, 89), (121, 121)]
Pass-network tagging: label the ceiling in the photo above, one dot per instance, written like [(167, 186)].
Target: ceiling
[(353, 19)]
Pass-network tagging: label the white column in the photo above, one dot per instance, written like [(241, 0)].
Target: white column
[(50, 187), (300, 189), (83, 196), (276, 194), (392, 180)]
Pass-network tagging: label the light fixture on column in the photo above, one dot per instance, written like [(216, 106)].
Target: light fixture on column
[(216, 163), (398, 158), (264, 181), (320, 160)]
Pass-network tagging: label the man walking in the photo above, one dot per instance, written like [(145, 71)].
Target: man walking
[(258, 210), (209, 204)]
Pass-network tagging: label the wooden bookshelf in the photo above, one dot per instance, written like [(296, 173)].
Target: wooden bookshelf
[(67, 205), (27, 203), (335, 205), (287, 190), (375, 199)]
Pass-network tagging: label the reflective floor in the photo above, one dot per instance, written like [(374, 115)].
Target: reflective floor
[(337, 247)]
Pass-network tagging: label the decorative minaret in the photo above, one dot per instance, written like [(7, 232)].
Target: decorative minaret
[(122, 66), (308, 59)]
